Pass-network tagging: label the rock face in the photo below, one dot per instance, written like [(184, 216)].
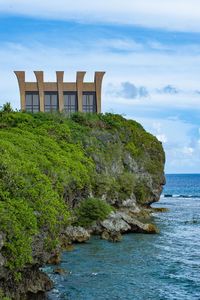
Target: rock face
[(33, 285), (2, 259)]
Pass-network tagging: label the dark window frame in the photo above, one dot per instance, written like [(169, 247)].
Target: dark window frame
[(52, 107), (70, 108), (32, 107), (90, 108)]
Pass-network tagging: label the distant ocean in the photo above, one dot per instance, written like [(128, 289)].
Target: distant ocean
[(142, 267)]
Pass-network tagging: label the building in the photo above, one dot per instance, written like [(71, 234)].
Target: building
[(60, 96)]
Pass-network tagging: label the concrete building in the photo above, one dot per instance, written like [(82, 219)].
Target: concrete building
[(60, 96)]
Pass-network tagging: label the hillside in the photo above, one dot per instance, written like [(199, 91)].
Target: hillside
[(50, 163)]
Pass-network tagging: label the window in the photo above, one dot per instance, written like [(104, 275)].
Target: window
[(70, 102), (89, 102), (32, 102), (50, 101)]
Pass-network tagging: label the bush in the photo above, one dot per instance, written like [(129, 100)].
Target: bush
[(91, 210)]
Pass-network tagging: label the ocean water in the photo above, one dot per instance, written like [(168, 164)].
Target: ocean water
[(165, 266)]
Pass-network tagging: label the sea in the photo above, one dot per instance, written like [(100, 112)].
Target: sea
[(165, 266)]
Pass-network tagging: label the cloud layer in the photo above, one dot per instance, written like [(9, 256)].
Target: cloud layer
[(180, 15)]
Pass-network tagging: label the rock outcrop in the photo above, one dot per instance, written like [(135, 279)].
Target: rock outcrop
[(75, 234)]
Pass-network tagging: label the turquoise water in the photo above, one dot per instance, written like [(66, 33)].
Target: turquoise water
[(142, 267)]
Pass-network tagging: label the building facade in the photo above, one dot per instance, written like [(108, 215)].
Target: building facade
[(60, 96)]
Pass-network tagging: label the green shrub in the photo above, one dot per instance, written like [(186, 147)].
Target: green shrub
[(91, 210), (141, 191), (126, 182)]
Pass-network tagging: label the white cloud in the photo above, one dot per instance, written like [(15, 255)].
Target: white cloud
[(188, 150), (183, 15)]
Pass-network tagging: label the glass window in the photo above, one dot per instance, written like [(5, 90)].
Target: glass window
[(35, 100), (89, 102), (70, 102), (32, 102), (50, 101)]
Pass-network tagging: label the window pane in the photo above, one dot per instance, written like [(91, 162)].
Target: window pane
[(73, 99), (54, 100), (28, 99), (91, 100), (47, 99), (29, 109), (66, 99), (47, 108), (35, 108), (84, 99), (35, 100)]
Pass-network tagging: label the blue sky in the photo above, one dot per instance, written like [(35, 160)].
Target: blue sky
[(150, 50)]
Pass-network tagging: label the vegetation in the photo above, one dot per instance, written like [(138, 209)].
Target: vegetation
[(91, 210), (50, 162)]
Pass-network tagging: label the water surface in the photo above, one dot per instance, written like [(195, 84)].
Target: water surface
[(142, 267)]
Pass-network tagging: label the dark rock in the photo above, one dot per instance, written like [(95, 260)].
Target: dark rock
[(33, 284), (54, 259), (59, 271), (113, 236)]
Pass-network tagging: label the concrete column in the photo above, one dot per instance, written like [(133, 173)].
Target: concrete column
[(79, 86), (40, 82), (98, 85), (60, 76), (22, 88)]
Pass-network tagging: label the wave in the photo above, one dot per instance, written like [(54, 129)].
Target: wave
[(180, 196)]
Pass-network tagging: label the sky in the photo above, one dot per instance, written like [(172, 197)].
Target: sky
[(150, 50)]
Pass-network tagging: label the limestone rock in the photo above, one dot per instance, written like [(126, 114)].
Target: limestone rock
[(76, 234), (121, 222), (115, 223), (113, 236)]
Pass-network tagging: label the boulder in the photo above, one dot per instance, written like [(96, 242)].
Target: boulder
[(113, 236), (121, 222), (59, 271), (76, 234), (115, 223)]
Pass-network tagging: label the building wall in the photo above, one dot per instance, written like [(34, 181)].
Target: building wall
[(81, 88)]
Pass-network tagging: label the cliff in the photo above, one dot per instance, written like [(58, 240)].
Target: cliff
[(49, 164)]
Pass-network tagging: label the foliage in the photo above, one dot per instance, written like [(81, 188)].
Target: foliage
[(91, 210), (6, 108), (49, 163), (2, 296)]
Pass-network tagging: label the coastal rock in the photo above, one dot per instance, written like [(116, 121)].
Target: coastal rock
[(59, 271), (115, 223), (32, 284), (122, 222), (54, 259), (113, 236), (76, 234)]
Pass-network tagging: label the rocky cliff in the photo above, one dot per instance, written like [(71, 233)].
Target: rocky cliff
[(49, 165)]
